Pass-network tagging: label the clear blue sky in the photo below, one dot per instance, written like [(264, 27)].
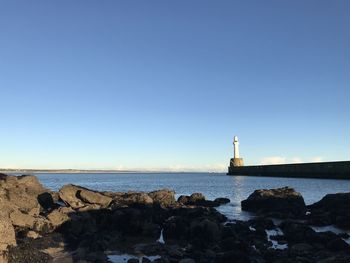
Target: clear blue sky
[(166, 84)]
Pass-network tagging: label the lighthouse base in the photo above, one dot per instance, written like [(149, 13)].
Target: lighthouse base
[(236, 162)]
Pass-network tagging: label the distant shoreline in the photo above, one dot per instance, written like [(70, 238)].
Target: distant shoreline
[(76, 171)]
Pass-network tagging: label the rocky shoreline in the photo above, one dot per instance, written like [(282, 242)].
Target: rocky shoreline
[(77, 224)]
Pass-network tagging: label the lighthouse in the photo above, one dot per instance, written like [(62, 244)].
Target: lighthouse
[(235, 146), (236, 161)]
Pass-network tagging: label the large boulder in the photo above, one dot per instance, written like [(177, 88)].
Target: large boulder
[(22, 192), (69, 195), (280, 202), (331, 209), (164, 197), (92, 197), (78, 197)]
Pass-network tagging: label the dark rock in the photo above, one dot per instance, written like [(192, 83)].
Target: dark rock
[(145, 260), (204, 232), (222, 200), (196, 198), (133, 260), (339, 258), (183, 199), (26, 253), (297, 232), (282, 202), (187, 260), (261, 222), (46, 200), (344, 235), (332, 202), (331, 209), (337, 244), (232, 256), (138, 199), (176, 228), (3, 176), (301, 249)]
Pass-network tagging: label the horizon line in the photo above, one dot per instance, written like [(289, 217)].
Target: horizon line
[(70, 170)]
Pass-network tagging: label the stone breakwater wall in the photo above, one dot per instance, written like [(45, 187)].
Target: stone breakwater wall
[(326, 170)]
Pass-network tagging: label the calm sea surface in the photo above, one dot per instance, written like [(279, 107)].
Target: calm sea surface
[(212, 185)]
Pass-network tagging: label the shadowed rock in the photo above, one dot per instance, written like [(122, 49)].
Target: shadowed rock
[(198, 199), (281, 202), (331, 209)]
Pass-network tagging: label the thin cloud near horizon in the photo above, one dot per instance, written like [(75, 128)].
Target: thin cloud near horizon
[(282, 160)]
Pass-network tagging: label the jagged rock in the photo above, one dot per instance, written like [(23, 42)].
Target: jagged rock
[(164, 197), (59, 216), (131, 199), (7, 233), (68, 194), (280, 202), (22, 220), (22, 192)]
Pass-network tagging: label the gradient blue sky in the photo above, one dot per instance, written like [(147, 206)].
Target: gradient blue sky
[(166, 84)]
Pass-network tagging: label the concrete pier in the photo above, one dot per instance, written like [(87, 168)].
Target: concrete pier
[(326, 170)]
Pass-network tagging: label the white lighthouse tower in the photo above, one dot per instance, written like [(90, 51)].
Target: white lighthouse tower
[(235, 146), (236, 161)]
